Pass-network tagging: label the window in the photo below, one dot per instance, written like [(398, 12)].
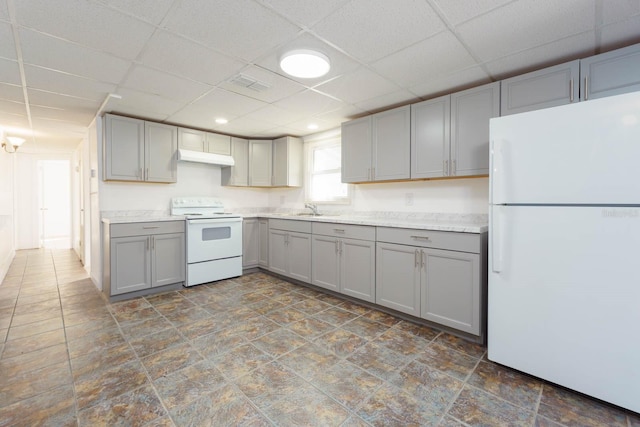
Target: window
[(323, 183)]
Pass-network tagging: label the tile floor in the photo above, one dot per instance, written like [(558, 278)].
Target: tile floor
[(250, 351)]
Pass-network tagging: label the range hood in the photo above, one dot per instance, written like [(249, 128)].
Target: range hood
[(200, 157)]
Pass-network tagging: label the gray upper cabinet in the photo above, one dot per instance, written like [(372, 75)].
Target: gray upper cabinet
[(430, 127), (160, 152), (287, 162), (238, 174), (549, 87), (260, 163), (217, 144), (191, 139), (135, 150), (470, 113), (610, 73), (377, 147)]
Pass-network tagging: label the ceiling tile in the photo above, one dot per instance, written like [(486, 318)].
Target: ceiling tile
[(370, 36), (614, 11), (222, 103), (460, 11), (11, 122), (388, 100), (7, 43), (340, 63), (12, 107), (144, 102), (66, 84), (279, 86), (357, 86), (54, 100), (87, 23), (165, 85), (142, 113), (275, 115), (348, 112), (176, 55), (302, 127), (10, 92), (79, 116), (57, 54), (546, 21), (621, 34), (304, 12), (196, 117), (242, 126), (152, 11), (542, 56), (237, 27), (309, 103), (4, 12), (418, 62), (473, 76), (9, 72)]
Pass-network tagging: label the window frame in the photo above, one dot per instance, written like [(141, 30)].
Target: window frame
[(313, 142)]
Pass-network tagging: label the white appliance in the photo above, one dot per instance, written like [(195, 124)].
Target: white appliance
[(214, 239), (564, 248)]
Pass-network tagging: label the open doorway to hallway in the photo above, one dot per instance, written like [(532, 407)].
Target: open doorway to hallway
[(54, 193)]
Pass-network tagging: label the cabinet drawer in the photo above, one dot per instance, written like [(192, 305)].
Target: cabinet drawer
[(463, 242), (362, 232), (290, 225), (146, 228)]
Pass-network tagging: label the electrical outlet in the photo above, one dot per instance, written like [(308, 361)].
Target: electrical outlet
[(408, 199)]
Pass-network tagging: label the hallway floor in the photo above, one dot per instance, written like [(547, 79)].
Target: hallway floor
[(255, 351)]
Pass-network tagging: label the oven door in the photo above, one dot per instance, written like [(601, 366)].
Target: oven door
[(215, 238)]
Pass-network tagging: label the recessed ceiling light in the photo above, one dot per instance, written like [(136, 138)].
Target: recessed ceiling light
[(312, 126), (222, 121), (305, 63)]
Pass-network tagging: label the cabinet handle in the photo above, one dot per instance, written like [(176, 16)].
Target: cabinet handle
[(337, 250), (571, 90), (153, 242), (146, 246), (422, 258), (420, 238), (445, 167), (338, 230), (417, 257), (586, 88), (150, 227), (340, 247)]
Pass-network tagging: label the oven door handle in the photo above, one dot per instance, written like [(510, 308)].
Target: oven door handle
[(214, 220)]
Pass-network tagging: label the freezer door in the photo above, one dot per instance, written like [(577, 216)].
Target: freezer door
[(564, 297), (584, 153)]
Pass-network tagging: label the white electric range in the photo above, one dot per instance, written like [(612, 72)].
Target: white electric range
[(214, 239)]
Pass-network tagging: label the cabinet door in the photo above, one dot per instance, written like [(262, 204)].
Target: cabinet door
[(218, 144), (278, 256), (356, 150), (161, 144), (430, 124), (123, 148), (325, 271), (357, 268), (287, 162), (260, 158), (398, 277), (263, 256), (250, 243), (451, 289), (610, 73), (550, 87), (238, 174), (130, 264), (299, 254), (191, 139), (470, 113), (391, 132), (168, 259)]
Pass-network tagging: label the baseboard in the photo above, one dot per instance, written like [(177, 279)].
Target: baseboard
[(6, 263)]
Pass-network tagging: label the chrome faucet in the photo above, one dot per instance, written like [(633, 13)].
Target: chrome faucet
[(313, 207)]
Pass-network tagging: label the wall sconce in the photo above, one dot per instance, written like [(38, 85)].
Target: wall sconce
[(15, 142)]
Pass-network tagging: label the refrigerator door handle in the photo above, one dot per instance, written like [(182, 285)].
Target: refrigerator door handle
[(497, 243), (498, 176)]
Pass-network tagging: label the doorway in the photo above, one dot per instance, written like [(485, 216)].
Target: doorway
[(54, 201)]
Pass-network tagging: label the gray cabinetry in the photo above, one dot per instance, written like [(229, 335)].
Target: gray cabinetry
[(263, 231), (135, 150), (343, 259), (287, 162), (217, 144), (142, 256), (470, 113), (191, 139), (430, 127), (238, 174), (250, 242), (610, 73), (377, 147), (398, 277), (549, 87), (290, 248), (260, 163)]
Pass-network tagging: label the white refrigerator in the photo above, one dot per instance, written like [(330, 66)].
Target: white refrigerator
[(564, 246)]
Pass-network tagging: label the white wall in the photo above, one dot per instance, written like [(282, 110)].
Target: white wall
[(7, 224)]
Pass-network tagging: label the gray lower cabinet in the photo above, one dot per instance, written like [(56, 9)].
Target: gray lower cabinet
[(144, 255), (343, 264), (290, 248), (250, 242), (263, 250), (398, 277)]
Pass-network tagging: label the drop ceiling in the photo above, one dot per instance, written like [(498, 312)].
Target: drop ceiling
[(175, 61)]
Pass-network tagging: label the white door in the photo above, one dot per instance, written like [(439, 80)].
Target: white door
[(564, 291), (55, 203)]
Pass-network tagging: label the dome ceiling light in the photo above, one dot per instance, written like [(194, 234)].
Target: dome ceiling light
[(305, 63)]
